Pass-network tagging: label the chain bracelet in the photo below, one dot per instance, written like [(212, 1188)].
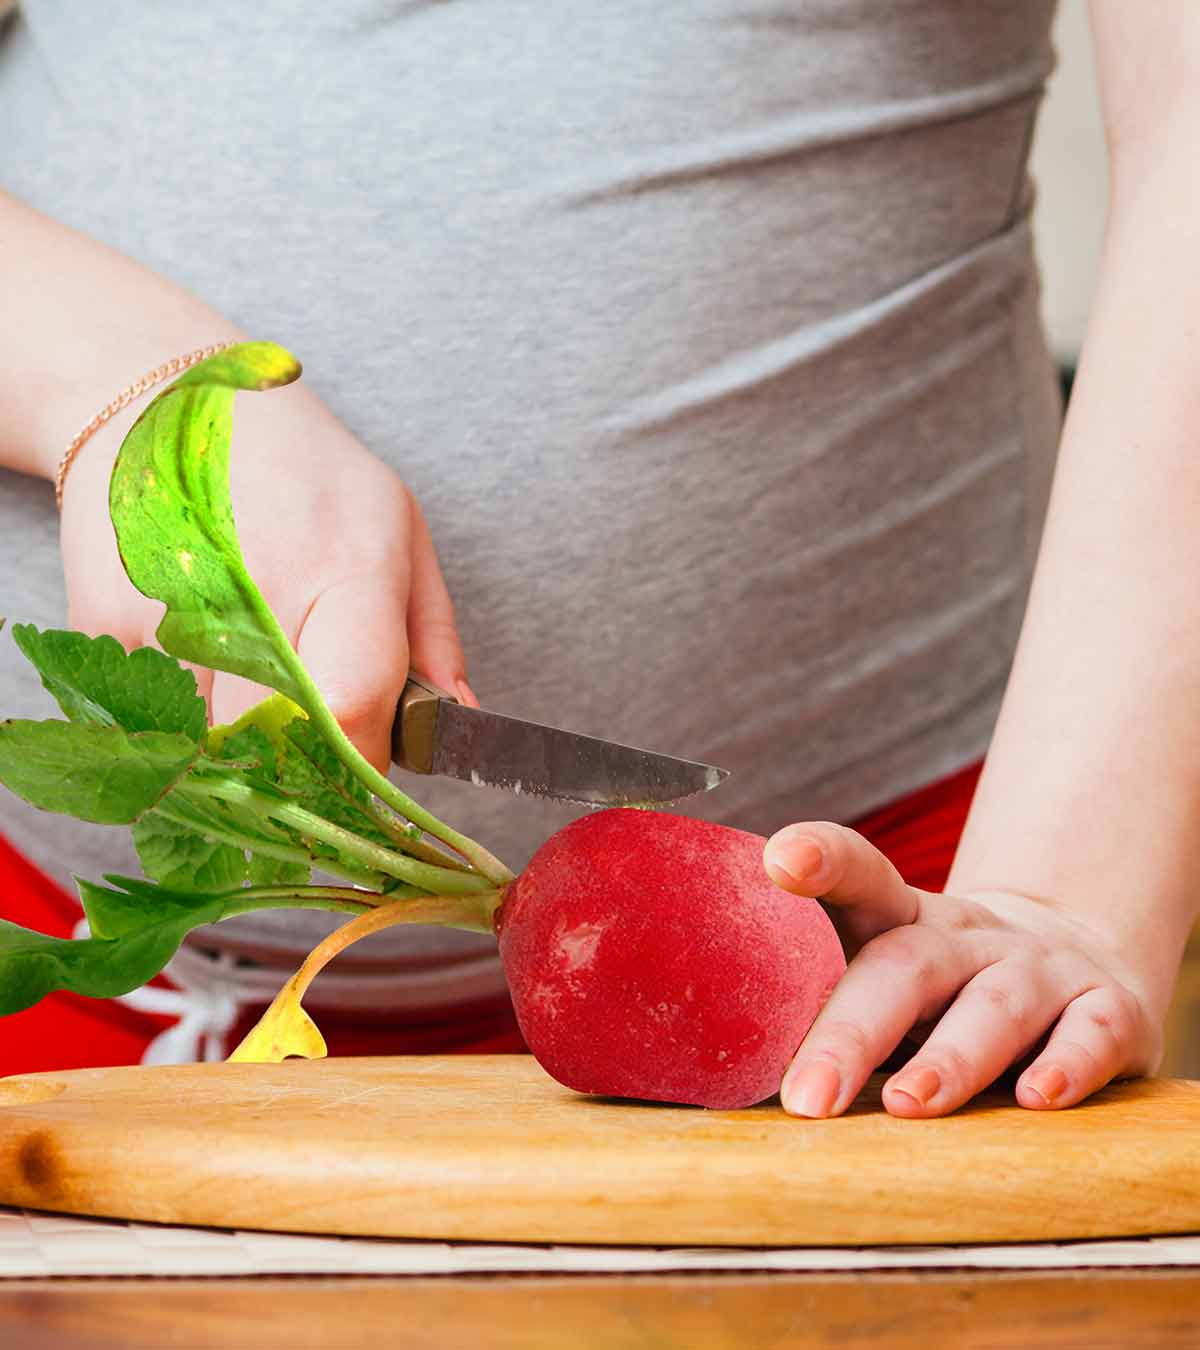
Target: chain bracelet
[(175, 366)]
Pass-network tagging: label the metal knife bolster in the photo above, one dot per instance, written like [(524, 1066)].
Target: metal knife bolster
[(414, 732)]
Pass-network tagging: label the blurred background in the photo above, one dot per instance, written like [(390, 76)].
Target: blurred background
[(1069, 169)]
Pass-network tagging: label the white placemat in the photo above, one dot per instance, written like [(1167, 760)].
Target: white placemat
[(36, 1245)]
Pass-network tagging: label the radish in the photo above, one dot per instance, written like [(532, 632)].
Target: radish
[(649, 955)]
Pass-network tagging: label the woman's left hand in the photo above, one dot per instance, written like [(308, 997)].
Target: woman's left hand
[(983, 978)]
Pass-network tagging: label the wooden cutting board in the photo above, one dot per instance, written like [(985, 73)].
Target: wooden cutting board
[(491, 1149)]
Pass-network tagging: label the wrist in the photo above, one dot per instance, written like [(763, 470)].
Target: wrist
[(81, 323), (94, 462), (53, 409), (130, 397)]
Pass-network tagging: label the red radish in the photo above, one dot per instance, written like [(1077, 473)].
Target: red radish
[(650, 956)]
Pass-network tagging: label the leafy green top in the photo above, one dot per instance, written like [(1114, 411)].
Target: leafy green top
[(225, 820)]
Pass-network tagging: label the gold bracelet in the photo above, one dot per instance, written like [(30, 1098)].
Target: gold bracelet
[(124, 399)]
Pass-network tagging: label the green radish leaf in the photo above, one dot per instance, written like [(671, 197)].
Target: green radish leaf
[(251, 752), (218, 821), (33, 965), (129, 905), (261, 839), (96, 681), (310, 768), (103, 774), (254, 747), (217, 818), (170, 505), (215, 845), (327, 788), (136, 929), (184, 858), (268, 871)]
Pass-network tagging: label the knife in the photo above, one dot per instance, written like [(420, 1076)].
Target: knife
[(435, 733)]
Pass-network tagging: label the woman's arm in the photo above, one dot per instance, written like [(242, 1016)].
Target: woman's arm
[(80, 322), (1079, 870), (1091, 793), (352, 573)]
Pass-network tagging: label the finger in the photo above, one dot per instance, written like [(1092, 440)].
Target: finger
[(230, 696), (865, 893), (434, 645), (997, 1016), (1101, 1034), (132, 624), (354, 642), (894, 981), (204, 684)]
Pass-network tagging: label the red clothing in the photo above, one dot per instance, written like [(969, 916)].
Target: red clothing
[(919, 834)]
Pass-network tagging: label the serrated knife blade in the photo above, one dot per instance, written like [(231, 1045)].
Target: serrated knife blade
[(434, 733)]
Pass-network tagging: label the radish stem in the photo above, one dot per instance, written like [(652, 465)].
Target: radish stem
[(323, 719), (439, 880), (287, 853), (285, 1029)]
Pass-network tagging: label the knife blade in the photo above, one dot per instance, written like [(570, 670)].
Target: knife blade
[(436, 734)]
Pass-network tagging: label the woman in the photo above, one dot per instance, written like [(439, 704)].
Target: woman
[(705, 335)]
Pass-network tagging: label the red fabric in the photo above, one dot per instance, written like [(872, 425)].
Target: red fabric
[(919, 833), (63, 1031)]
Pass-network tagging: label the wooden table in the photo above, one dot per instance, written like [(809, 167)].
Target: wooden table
[(1109, 1310)]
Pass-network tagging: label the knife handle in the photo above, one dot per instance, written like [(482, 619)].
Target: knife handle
[(415, 724)]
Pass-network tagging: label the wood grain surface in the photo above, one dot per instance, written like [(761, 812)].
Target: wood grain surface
[(491, 1149), (1109, 1310)]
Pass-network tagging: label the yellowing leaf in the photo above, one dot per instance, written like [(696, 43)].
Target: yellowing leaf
[(270, 717), (284, 1030), (171, 508)]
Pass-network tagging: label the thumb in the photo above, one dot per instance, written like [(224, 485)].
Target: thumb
[(354, 644), (858, 885)]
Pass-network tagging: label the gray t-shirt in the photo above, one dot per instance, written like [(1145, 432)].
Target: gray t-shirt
[(705, 331)]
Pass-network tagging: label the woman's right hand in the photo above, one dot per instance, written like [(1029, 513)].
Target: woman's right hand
[(335, 541)]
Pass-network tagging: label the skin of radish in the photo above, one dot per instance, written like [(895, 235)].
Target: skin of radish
[(650, 956)]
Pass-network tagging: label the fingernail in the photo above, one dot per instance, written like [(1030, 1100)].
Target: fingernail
[(811, 1090), (799, 858), (463, 690), (920, 1084), (1049, 1083)]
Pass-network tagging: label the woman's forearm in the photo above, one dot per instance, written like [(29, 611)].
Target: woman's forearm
[(80, 322), (1091, 793)]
